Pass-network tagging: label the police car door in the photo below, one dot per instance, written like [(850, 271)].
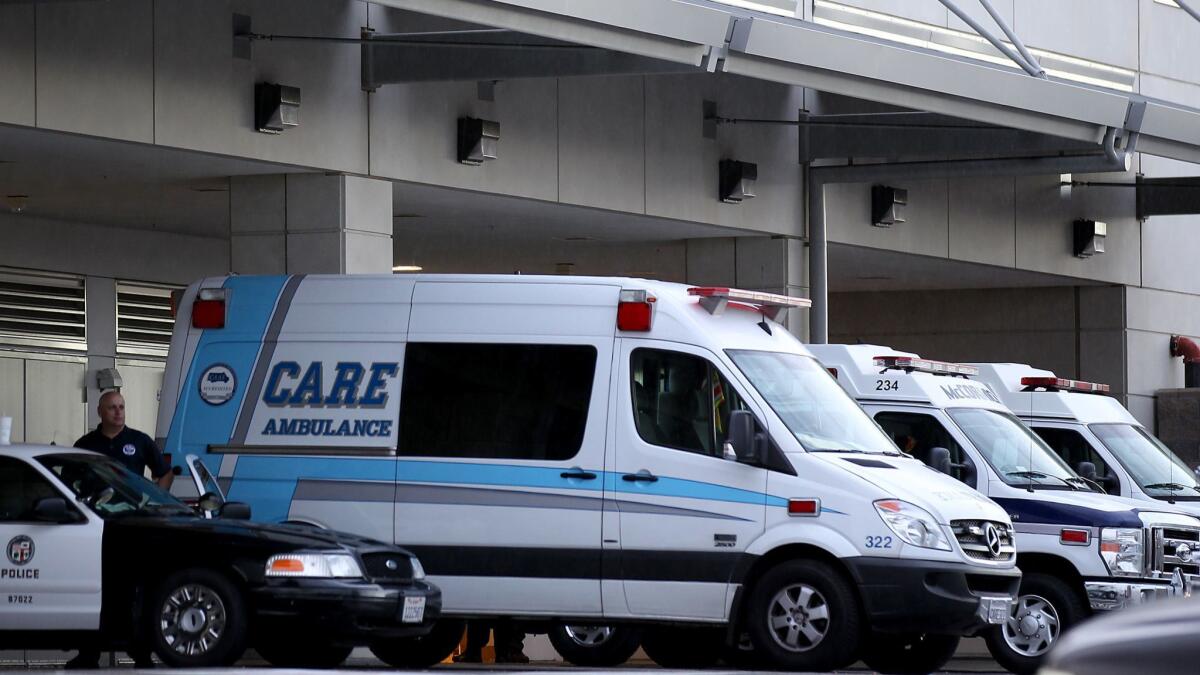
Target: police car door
[(50, 572), (686, 511)]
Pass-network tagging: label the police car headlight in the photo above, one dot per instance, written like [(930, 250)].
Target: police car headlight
[(418, 571), (912, 524), (1121, 549), (316, 565)]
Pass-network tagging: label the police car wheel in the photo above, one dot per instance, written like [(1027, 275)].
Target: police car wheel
[(689, 648), (917, 654), (196, 618), (1046, 606), (424, 651), (595, 646), (802, 615), (302, 652)]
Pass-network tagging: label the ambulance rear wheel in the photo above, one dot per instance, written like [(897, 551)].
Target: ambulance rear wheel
[(1046, 606), (302, 653), (802, 615), (196, 618), (688, 648), (594, 646), (424, 651), (903, 654)]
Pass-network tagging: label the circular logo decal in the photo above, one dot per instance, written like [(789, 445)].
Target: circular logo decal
[(20, 550), (129, 450), (217, 384)]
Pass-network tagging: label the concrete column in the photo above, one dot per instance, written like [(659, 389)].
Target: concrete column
[(310, 223), (771, 264), (101, 294)]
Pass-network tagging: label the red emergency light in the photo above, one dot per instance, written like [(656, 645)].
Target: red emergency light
[(912, 364), (635, 309), (804, 507), (1062, 384), (208, 309), (1075, 537), (714, 299)]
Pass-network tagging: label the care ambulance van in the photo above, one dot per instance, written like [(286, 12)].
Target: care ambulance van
[(1098, 437), (1081, 551), (586, 451)]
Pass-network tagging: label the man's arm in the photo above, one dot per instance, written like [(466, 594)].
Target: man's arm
[(159, 468), (164, 481)]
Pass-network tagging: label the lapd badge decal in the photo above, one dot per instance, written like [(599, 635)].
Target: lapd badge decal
[(217, 384), (19, 550), (130, 450)]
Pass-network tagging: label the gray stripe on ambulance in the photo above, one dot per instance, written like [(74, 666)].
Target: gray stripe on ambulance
[(254, 388), (375, 491)]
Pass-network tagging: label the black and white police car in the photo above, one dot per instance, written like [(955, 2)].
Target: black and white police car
[(96, 555)]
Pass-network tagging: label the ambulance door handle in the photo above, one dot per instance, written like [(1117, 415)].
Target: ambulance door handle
[(640, 477), (579, 474)]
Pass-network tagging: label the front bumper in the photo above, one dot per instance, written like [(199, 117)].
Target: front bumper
[(342, 611), (922, 596), (1105, 595)]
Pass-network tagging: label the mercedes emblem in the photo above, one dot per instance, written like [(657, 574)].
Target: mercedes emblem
[(991, 537)]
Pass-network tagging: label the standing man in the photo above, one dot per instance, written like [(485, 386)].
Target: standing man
[(131, 447)]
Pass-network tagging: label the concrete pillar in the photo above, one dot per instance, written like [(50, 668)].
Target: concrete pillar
[(310, 223), (771, 264), (101, 294)]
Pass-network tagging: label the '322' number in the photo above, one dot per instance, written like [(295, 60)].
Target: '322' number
[(879, 542)]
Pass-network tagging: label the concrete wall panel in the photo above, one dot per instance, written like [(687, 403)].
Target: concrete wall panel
[(1099, 30), (925, 12), (259, 253), (601, 142), (95, 68), (1102, 358), (976, 11), (1142, 408), (848, 218), (981, 220), (1166, 34), (17, 63), (1151, 366), (367, 253), (1163, 312)]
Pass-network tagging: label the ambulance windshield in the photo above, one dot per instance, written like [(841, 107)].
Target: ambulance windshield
[(810, 402), (1017, 454), (1155, 468)]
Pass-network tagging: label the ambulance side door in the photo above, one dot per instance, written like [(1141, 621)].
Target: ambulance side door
[(50, 571)]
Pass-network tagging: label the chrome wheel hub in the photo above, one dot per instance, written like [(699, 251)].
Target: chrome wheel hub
[(588, 636), (798, 617), (192, 620), (1032, 627)]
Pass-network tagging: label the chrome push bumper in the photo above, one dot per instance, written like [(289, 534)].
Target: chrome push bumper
[(1109, 595)]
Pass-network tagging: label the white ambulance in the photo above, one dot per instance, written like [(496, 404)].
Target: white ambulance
[(586, 450), (1080, 550), (1098, 437)]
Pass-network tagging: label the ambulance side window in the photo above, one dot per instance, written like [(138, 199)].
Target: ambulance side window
[(1074, 448), (495, 401), (918, 434), (681, 401), (21, 486)]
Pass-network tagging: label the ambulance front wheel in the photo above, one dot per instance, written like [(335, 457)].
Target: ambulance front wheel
[(1046, 606), (595, 646), (903, 654), (196, 618), (421, 652), (802, 615)]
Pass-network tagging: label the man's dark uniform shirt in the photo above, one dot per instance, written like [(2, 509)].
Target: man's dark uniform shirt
[(130, 447)]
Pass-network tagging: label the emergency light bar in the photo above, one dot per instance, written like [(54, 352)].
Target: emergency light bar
[(714, 299), (1063, 384), (911, 364)]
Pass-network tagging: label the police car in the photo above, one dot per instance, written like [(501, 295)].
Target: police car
[(95, 555)]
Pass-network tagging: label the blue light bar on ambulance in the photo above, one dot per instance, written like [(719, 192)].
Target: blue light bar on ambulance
[(714, 299), (912, 364), (1063, 384)]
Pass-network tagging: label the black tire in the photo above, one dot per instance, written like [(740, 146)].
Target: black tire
[(304, 652), (741, 654), (1060, 600), (908, 654), (837, 633), (189, 604), (424, 651), (595, 646), (686, 648)]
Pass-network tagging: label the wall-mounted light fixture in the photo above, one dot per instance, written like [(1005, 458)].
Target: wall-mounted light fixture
[(276, 107), (736, 181), (886, 203), (477, 140), (1089, 237), (396, 269)]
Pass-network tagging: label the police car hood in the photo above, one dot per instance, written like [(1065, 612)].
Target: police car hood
[(908, 479), (279, 536)]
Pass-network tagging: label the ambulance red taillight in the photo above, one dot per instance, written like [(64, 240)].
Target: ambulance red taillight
[(635, 309), (804, 507), (208, 309), (912, 364), (1063, 384)]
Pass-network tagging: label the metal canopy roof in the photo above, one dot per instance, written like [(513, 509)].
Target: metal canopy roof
[(718, 37)]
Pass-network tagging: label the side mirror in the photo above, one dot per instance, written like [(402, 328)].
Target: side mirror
[(52, 510), (939, 459), (210, 501), (748, 446), (1087, 470), (235, 511)]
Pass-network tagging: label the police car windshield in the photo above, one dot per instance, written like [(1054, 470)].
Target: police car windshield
[(1155, 468), (818, 412), (110, 489), (1017, 454)]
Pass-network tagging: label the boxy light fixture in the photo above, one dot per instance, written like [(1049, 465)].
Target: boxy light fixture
[(276, 107), (736, 181), (477, 140), (1089, 237), (885, 205)]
